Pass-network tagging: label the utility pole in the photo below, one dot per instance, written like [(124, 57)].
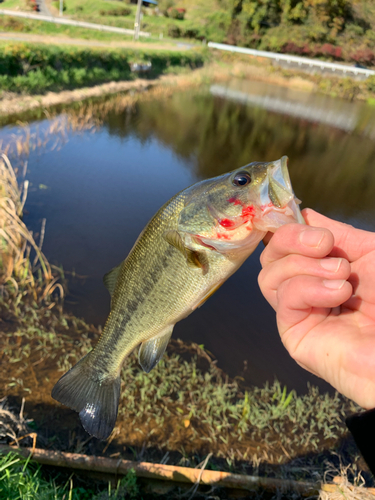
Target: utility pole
[(61, 7), (137, 24)]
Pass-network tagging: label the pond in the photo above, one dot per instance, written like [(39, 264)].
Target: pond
[(99, 188)]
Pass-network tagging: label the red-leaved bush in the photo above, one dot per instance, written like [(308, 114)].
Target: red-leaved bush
[(328, 50), (363, 56), (325, 50)]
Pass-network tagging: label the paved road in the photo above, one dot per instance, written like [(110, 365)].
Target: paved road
[(20, 37), (43, 9)]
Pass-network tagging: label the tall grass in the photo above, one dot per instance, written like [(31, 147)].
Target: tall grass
[(18, 268)]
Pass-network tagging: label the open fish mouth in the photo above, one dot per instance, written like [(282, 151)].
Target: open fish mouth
[(277, 190)]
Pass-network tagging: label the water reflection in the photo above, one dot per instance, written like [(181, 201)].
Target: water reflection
[(103, 188), (332, 171)]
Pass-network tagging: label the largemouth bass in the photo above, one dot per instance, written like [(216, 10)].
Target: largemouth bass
[(196, 241)]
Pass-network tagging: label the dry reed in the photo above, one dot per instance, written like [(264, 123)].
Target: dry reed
[(339, 487), (17, 242)]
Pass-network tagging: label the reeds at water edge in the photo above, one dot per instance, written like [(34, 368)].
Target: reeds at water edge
[(17, 243)]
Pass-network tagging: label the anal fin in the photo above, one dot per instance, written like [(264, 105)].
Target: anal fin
[(151, 351)]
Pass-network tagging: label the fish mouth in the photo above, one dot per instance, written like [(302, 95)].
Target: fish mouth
[(279, 188)]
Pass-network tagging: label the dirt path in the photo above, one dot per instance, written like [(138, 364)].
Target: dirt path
[(58, 40)]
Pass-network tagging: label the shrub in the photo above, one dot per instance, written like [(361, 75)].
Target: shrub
[(191, 33), (31, 4), (328, 50), (176, 13), (218, 25), (174, 31), (354, 31), (13, 24), (292, 48), (370, 83), (363, 56), (115, 12), (56, 4), (37, 68), (164, 5), (325, 50)]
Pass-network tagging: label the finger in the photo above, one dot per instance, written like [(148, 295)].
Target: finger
[(308, 300), (350, 242), (267, 238), (297, 239), (274, 274)]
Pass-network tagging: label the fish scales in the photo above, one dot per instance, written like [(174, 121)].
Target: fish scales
[(188, 249), (152, 268)]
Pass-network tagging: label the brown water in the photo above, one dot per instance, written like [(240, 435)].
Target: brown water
[(103, 187)]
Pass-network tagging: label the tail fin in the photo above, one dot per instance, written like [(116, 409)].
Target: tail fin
[(93, 395)]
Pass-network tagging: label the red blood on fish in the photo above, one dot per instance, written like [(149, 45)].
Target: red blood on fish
[(235, 201), (270, 205), (248, 211), (227, 223)]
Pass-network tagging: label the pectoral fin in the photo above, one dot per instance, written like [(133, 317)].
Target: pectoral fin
[(151, 351), (110, 279), (194, 258)]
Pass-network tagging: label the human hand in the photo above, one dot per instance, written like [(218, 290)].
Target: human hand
[(321, 282)]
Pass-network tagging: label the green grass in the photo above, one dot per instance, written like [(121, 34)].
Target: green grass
[(28, 68), (15, 4), (10, 24), (22, 479), (19, 479), (86, 10)]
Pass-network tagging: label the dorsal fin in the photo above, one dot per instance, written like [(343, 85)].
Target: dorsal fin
[(110, 279)]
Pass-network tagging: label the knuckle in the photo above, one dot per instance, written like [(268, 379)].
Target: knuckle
[(263, 258)]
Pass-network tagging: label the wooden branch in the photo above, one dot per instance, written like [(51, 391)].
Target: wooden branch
[(170, 472)]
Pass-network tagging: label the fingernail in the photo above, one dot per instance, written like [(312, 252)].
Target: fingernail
[(334, 284), (332, 265), (311, 237)]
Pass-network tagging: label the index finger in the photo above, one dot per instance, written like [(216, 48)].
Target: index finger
[(350, 243), (316, 242)]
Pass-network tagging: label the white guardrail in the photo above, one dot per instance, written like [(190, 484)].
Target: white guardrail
[(62, 20), (301, 61)]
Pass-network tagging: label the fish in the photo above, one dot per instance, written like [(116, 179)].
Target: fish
[(191, 246)]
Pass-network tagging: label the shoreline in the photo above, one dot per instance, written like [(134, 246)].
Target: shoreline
[(239, 67)]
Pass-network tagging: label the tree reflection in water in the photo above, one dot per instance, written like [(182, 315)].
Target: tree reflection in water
[(332, 171)]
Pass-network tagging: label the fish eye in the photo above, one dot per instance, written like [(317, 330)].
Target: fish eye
[(242, 179)]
